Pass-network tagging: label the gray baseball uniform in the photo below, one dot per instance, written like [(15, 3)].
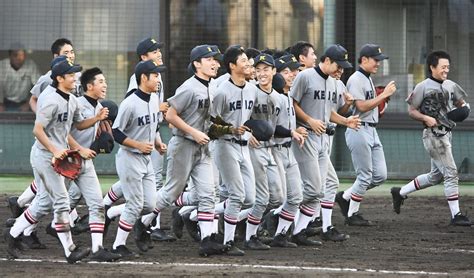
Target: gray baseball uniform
[(234, 105), (268, 184), (437, 141), (365, 146), (313, 90), (137, 119), (286, 161), (191, 102), (332, 181)]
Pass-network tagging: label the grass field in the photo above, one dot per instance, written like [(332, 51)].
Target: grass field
[(10, 184)]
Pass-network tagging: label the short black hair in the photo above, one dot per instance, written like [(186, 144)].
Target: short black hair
[(231, 54), (279, 53), (88, 77), (252, 52), (138, 78), (433, 58), (58, 44), (300, 48)]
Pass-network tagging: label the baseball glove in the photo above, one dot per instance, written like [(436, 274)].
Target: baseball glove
[(383, 105), (70, 166)]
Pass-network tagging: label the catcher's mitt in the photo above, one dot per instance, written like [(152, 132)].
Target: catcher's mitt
[(70, 166)]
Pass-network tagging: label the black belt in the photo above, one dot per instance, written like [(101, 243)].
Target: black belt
[(284, 145), (368, 124), (239, 142)]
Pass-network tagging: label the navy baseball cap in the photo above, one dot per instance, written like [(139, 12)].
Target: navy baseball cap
[(338, 54), (372, 50), (148, 45), (58, 59), (149, 66), (287, 61), (204, 51), (64, 67), (264, 58)]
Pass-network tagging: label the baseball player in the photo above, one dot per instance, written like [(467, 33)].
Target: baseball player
[(287, 65), (135, 130), (304, 53), (342, 102), (189, 115), (57, 111), (267, 178), (365, 146), (147, 49), (430, 103), (232, 106), (312, 91)]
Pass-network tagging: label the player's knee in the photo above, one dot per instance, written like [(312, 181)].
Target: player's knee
[(248, 200), (435, 178)]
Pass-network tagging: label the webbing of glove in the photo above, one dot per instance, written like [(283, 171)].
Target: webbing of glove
[(70, 166)]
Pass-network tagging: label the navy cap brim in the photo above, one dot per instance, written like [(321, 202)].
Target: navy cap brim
[(380, 57), (294, 65), (214, 54), (158, 69), (74, 69), (344, 64), (263, 62)]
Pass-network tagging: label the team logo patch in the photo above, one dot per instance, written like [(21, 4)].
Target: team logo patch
[(346, 56), (153, 40)]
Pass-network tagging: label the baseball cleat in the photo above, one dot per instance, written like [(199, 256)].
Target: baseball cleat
[(125, 253), (103, 255), (271, 222), (191, 227), (177, 223), (397, 199), (77, 254), (51, 231), (343, 203), (209, 247), (15, 209), (160, 235), (302, 240), (357, 220), (233, 250), (333, 235), (81, 225), (281, 240), (460, 220), (10, 222), (32, 241), (140, 236), (13, 244), (255, 244), (317, 223)]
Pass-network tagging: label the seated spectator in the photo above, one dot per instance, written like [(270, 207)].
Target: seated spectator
[(17, 77)]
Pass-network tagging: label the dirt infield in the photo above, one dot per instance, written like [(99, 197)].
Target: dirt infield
[(417, 242)]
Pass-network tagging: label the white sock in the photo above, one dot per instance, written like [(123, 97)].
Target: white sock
[(66, 241), (158, 224), (20, 225), (73, 216), (408, 188), (206, 228), (215, 225), (353, 208), (327, 215), (347, 194), (220, 207), (303, 221), (30, 229), (26, 197), (277, 210), (115, 211), (454, 207), (229, 232), (121, 238), (317, 212), (243, 214), (297, 216), (107, 200), (194, 215), (250, 231), (97, 240), (148, 218), (186, 209), (283, 226)]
